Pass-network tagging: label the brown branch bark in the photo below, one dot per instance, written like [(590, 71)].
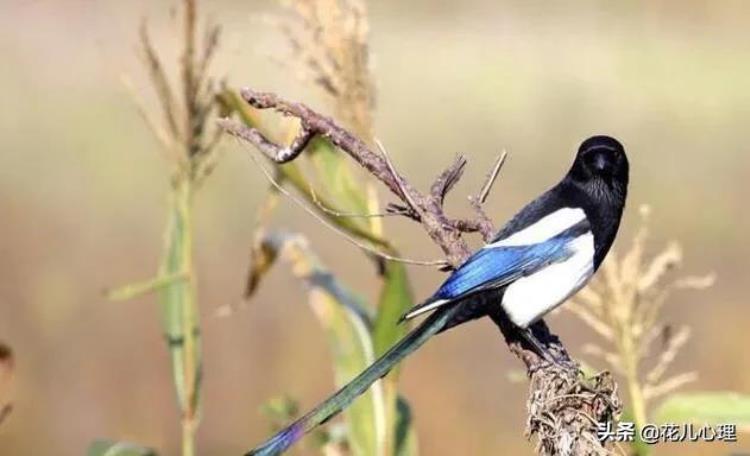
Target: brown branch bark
[(563, 410)]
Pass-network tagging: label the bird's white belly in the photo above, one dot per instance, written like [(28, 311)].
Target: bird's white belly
[(528, 299)]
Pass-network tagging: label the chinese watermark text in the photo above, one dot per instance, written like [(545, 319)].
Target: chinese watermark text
[(650, 433)]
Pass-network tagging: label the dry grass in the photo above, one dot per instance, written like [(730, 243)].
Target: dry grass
[(623, 306), (328, 43), (188, 139)]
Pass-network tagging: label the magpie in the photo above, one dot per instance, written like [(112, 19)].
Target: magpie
[(540, 258)]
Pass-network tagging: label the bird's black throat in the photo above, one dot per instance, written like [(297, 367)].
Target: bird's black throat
[(598, 183)]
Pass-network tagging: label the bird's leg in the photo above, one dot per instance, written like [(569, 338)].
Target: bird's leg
[(535, 344), (514, 334), (528, 335)]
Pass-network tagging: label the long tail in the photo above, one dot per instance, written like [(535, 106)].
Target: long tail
[(343, 397)]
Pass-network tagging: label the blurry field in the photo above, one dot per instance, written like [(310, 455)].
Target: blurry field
[(82, 205)]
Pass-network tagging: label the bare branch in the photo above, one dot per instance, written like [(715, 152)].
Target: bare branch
[(448, 178), (466, 226), (336, 213), (365, 247), (399, 180), (483, 223), (430, 213), (326, 127), (269, 148), (492, 177)]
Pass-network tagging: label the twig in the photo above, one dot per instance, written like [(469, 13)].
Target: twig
[(492, 177), (483, 223), (399, 180), (365, 247), (448, 178), (328, 210)]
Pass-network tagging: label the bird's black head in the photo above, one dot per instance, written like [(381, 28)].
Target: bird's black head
[(601, 161), (598, 182)]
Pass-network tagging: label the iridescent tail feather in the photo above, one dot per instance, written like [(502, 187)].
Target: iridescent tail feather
[(327, 409)]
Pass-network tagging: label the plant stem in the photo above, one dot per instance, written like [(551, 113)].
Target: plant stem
[(634, 386), (627, 348), (188, 437), (189, 318)]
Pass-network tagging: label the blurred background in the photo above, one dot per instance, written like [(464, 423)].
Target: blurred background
[(82, 204)]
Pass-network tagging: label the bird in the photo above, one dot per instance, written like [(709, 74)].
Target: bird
[(547, 252)]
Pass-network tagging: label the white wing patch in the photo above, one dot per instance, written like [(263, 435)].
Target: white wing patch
[(543, 229), (420, 310), (529, 298)]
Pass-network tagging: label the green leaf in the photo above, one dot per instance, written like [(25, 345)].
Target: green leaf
[(334, 170), (134, 290), (395, 299), (705, 407), (347, 323), (112, 448), (177, 301)]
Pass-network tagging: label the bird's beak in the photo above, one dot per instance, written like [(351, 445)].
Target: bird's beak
[(602, 163)]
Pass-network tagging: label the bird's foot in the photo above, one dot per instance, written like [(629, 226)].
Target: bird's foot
[(549, 359)]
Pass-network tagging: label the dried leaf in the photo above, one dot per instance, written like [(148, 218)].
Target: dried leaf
[(348, 326), (262, 257)]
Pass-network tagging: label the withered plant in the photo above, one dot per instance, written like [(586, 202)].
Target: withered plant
[(624, 307), (188, 139)]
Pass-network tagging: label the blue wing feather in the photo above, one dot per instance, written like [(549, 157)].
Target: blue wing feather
[(493, 267), (496, 266)]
